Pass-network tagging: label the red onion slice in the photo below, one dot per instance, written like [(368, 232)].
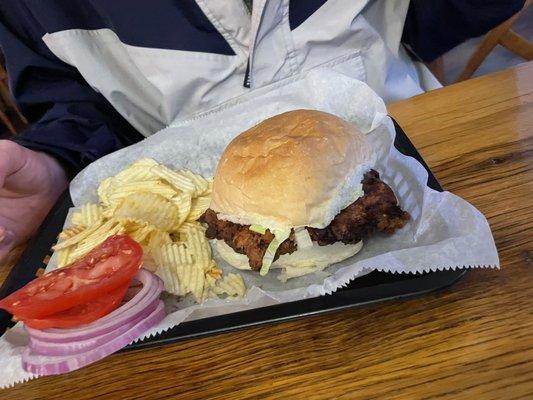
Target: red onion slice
[(52, 365), (129, 311), (42, 347)]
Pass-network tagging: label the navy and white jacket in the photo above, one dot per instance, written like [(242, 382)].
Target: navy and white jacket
[(95, 75)]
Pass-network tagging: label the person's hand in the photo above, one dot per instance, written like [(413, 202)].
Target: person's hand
[(30, 183)]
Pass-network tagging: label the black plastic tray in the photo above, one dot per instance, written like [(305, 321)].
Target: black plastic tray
[(371, 288)]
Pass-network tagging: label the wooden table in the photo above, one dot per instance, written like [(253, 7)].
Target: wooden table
[(472, 341)]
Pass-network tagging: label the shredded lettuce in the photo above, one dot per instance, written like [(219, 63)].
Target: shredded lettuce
[(279, 237), (258, 229), (303, 239), (359, 192)]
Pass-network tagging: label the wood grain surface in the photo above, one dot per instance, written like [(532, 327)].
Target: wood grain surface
[(471, 341)]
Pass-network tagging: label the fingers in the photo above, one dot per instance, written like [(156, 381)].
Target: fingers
[(30, 172), (7, 242), (11, 159)]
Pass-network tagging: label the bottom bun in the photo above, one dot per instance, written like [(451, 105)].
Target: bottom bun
[(299, 263)]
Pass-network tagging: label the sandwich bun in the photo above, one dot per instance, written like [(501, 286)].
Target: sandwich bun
[(299, 168)]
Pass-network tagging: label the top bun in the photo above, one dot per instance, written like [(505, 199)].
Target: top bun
[(299, 168)]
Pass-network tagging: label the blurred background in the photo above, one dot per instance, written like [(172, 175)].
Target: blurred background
[(507, 45), (499, 58)]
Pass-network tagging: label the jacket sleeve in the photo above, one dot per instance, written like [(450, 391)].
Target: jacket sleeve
[(436, 26), (69, 120)]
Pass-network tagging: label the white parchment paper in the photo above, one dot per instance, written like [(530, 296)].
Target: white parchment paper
[(445, 232)]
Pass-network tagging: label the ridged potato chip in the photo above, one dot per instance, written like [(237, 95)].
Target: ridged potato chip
[(141, 233), (143, 162), (158, 238), (209, 186), (71, 232), (184, 228), (96, 237), (199, 206), (130, 224), (199, 247), (78, 237), (151, 208), (174, 267), (77, 219), (184, 202), (153, 186), (104, 190), (197, 287), (231, 285), (201, 185), (89, 214), (63, 257), (158, 208), (140, 170), (149, 261), (177, 181)]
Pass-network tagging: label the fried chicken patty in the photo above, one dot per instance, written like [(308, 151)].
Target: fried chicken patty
[(376, 211)]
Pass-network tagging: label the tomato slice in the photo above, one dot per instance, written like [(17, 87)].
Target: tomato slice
[(82, 313), (107, 267)]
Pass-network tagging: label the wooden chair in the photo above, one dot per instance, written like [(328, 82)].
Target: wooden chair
[(504, 36)]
